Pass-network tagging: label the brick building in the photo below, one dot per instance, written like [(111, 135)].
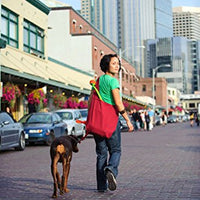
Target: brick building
[(144, 86)]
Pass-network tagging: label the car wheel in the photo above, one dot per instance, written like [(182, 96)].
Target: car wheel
[(84, 132), (21, 146), (50, 139), (73, 131)]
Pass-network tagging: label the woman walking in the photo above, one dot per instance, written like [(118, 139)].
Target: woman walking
[(107, 168)]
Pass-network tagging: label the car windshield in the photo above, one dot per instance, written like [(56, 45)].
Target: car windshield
[(39, 119), (84, 113), (65, 115)]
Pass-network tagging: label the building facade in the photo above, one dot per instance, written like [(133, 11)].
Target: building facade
[(186, 22), (82, 45), (180, 74), (129, 23), (25, 61), (163, 19), (175, 59), (144, 88), (190, 102)]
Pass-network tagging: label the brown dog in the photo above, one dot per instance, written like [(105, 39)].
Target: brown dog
[(61, 151)]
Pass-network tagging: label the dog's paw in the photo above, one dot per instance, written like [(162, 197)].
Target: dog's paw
[(54, 196), (66, 190), (61, 192)]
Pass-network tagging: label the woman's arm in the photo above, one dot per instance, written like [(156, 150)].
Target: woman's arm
[(120, 107)]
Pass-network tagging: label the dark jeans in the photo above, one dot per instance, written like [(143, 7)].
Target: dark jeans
[(103, 146)]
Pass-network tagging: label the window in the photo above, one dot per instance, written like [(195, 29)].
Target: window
[(192, 105), (9, 27), (127, 78), (123, 75), (33, 39), (143, 88), (5, 117)]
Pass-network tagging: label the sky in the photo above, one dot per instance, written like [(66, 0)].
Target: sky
[(76, 4)]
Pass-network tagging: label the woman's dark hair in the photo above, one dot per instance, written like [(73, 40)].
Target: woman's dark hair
[(105, 61)]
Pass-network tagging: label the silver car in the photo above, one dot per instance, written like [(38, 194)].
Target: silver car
[(69, 116), (84, 113), (11, 133)]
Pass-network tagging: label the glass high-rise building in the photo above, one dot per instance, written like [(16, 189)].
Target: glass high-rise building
[(163, 19), (174, 52), (186, 22), (128, 23)]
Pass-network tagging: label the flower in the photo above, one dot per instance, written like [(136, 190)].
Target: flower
[(38, 98), (10, 93), (83, 104), (92, 82), (59, 100)]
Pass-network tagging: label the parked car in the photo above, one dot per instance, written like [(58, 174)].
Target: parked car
[(172, 119), (11, 133), (43, 127), (157, 120), (69, 116), (84, 113)]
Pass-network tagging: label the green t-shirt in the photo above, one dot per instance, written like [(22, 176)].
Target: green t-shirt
[(106, 85)]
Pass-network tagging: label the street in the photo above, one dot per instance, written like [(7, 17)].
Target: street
[(157, 165)]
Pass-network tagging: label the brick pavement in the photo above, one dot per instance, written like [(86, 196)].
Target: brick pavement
[(163, 164)]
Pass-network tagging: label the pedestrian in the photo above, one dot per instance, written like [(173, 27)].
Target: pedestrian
[(164, 118), (142, 121), (8, 110), (107, 168), (151, 116), (191, 118), (136, 118), (147, 119), (197, 118)]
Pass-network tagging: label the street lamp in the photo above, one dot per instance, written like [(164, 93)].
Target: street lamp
[(120, 73), (120, 58), (153, 82)]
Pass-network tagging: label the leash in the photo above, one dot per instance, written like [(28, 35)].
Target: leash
[(82, 122)]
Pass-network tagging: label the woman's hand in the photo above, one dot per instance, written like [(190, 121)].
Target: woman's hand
[(130, 126)]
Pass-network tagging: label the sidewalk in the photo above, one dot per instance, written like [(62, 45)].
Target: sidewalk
[(157, 165), (163, 164)]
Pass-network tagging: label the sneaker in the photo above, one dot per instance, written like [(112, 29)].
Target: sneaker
[(112, 184)]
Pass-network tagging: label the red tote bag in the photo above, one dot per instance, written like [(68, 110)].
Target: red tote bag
[(102, 117)]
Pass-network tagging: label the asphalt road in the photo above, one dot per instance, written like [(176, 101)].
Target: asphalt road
[(157, 165)]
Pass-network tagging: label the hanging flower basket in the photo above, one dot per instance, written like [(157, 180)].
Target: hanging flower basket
[(72, 102), (59, 100), (83, 104), (38, 98), (10, 93)]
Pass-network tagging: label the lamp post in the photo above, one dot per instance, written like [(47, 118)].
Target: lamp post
[(120, 58), (120, 73), (153, 83)]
